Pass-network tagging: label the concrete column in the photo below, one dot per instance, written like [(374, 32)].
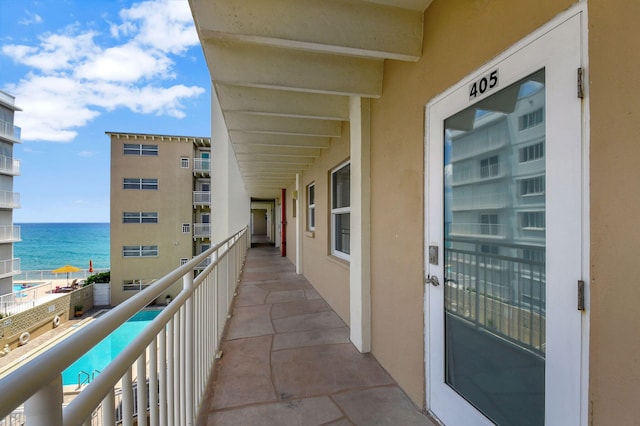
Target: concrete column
[(360, 258), (299, 224)]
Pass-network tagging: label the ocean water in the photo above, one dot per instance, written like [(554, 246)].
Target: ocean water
[(47, 246)]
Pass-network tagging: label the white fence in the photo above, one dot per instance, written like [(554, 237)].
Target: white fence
[(46, 274), (175, 353)]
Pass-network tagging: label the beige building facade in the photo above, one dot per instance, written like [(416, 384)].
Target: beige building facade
[(457, 171), (160, 208)]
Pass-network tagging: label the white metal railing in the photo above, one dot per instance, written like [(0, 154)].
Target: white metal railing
[(9, 233), (202, 165), (202, 197), (9, 199), (175, 353), (202, 230), (9, 166), (46, 274), (9, 267), (25, 299), (8, 130)]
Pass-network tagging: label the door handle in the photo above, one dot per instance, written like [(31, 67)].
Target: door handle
[(432, 279)]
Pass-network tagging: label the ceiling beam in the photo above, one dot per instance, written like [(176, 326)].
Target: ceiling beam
[(345, 27), (253, 65)]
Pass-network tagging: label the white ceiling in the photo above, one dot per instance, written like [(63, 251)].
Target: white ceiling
[(284, 70)]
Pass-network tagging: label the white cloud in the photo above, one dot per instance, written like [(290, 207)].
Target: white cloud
[(166, 25), (56, 52), (77, 75), (117, 64), (32, 18)]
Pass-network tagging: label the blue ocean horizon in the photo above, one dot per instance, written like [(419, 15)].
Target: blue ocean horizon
[(47, 246)]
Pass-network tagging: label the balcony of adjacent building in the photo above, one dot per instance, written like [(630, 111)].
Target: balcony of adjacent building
[(9, 166), (9, 234), (201, 198), (202, 230), (9, 131), (201, 167), (9, 200), (9, 267)]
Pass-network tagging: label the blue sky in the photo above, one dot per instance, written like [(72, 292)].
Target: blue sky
[(79, 68)]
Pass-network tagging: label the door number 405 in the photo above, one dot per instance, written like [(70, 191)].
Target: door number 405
[(483, 84)]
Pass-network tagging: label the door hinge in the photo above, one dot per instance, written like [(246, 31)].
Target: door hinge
[(581, 83), (580, 295)]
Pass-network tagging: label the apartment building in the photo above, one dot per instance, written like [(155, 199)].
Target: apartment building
[(160, 208), (9, 200)]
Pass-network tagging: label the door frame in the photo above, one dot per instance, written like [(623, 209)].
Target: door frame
[(579, 11)]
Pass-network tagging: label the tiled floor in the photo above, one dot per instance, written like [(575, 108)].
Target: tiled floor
[(288, 360)]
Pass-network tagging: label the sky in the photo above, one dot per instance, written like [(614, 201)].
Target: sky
[(80, 68)]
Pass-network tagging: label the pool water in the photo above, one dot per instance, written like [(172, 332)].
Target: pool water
[(104, 352)]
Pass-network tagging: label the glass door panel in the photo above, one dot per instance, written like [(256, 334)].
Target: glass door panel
[(494, 253)]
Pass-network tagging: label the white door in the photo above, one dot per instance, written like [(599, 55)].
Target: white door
[(504, 227)]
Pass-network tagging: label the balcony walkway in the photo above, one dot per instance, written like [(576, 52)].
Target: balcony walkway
[(288, 360)]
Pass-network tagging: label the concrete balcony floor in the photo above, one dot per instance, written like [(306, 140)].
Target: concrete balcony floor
[(287, 360)]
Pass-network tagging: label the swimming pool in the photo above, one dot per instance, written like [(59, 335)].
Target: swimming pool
[(100, 355)]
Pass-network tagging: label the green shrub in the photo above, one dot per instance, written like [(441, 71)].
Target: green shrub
[(102, 277)]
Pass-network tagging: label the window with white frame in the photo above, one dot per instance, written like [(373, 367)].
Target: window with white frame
[(184, 163), (139, 217), (140, 251), (532, 152), (489, 224), (140, 183), (531, 119), (140, 149), (311, 207), (135, 284), (532, 186), (186, 228), (490, 167), (183, 260), (532, 220), (341, 211)]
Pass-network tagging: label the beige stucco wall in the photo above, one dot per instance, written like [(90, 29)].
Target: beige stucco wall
[(329, 275), (459, 37), (614, 84), (172, 201)]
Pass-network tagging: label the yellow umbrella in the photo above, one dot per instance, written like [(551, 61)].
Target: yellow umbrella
[(67, 269)]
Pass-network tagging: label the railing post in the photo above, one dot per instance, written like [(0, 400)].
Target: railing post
[(45, 406), (187, 282)]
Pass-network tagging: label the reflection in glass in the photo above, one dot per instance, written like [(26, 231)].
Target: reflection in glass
[(494, 211)]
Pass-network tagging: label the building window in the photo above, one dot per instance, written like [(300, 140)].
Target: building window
[(140, 251), (532, 186), (532, 220), (140, 149), (531, 119), (489, 224), (532, 152), (140, 183), (341, 211), (139, 217), (311, 207), (184, 163), (186, 228), (183, 260), (489, 167), (535, 255), (135, 285)]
